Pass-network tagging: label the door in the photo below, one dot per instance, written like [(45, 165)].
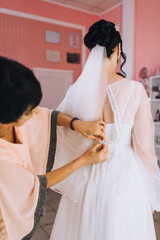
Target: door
[(54, 84)]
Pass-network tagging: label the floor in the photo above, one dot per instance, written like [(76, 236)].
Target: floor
[(45, 227), (46, 223)]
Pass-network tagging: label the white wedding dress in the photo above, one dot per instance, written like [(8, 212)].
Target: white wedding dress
[(117, 199)]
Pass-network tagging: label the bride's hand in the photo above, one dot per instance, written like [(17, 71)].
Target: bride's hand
[(91, 130), (96, 154)]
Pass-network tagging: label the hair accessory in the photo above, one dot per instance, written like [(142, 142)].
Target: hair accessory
[(117, 27), (71, 122)]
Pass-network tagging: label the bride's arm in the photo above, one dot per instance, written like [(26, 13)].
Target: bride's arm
[(92, 130), (143, 134), (143, 145)]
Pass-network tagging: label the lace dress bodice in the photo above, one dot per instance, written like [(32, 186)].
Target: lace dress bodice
[(125, 135), (124, 104)]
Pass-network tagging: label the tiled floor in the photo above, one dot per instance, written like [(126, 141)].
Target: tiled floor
[(45, 227), (46, 223)]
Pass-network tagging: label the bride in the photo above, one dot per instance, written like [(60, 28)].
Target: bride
[(112, 200)]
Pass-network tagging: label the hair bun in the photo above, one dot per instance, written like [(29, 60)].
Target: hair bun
[(100, 33), (104, 33)]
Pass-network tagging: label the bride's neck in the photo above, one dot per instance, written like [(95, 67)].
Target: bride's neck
[(113, 77)]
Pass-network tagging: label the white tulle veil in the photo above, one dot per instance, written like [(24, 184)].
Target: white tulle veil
[(85, 100)]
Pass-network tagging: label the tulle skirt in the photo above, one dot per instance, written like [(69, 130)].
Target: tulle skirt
[(114, 206)]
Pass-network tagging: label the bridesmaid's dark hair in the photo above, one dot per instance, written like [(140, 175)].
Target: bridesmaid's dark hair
[(19, 89), (105, 34)]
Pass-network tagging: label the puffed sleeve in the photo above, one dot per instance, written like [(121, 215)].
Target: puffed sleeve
[(143, 145), (22, 199)]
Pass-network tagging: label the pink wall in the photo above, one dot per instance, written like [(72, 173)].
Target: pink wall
[(49, 10), (114, 16), (23, 39), (147, 36)]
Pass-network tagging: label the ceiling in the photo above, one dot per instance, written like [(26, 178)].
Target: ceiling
[(93, 6)]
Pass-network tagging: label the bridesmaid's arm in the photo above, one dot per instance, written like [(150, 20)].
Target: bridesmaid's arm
[(96, 154), (92, 130)]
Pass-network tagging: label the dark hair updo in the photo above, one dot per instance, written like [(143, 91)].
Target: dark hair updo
[(105, 34), (19, 89)]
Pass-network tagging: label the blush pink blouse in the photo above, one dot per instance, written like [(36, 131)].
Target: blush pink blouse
[(23, 185)]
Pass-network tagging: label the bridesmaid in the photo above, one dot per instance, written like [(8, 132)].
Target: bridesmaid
[(27, 150)]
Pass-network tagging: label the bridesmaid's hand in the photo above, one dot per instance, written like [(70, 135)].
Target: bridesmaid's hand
[(98, 153), (91, 130)]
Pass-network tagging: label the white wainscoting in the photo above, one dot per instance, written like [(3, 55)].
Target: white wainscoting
[(54, 84)]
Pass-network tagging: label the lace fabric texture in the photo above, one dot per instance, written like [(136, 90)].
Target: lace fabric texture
[(134, 122)]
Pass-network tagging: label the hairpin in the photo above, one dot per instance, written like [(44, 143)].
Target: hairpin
[(117, 27)]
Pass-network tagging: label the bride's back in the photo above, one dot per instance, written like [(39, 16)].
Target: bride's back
[(121, 102)]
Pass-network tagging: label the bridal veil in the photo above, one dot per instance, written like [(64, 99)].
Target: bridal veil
[(84, 100)]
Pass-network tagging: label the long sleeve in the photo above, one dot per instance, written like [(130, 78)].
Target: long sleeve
[(143, 145), (39, 134), (22, 199)]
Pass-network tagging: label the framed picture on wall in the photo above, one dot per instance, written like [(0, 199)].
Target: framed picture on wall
[(53, 56), (73, 40), (52, 37), (73, 57)]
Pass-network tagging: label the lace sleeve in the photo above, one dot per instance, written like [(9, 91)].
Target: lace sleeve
[(143, 145)]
